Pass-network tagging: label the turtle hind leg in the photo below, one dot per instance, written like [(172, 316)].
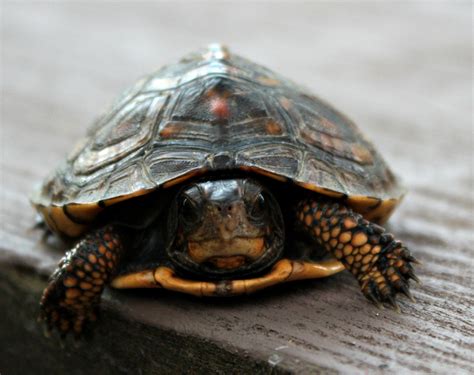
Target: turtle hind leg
[(382, 265), (73, 295)]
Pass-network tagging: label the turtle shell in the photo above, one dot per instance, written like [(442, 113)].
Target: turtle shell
[(215, 111)]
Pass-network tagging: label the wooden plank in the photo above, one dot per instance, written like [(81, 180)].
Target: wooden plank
[(402, 71)]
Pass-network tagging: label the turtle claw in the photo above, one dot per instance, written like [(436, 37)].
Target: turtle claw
[(412, 259), (370, 296), (389, 276), (393, 304), (46, 330), (404, 289), (64, 321), (411, 275)]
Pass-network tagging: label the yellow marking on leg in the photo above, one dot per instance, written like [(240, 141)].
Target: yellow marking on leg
[(359, 239), (350, 223), (348, 250), (335, 232), (345, 237), (73, 293), (70, 281)]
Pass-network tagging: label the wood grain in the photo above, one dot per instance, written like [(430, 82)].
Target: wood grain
[(401, 71)]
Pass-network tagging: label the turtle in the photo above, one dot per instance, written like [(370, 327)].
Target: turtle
[(215, 176)]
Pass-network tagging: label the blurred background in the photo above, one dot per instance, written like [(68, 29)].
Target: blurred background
[(401, 70)]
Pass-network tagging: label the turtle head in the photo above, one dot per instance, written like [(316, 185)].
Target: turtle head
[(225, 227)]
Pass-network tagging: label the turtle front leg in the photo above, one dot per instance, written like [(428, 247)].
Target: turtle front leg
[(381, 264), (73, 295)]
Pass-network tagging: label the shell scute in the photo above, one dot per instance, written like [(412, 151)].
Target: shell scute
[(173, 162), (127, 130), (281, 159)]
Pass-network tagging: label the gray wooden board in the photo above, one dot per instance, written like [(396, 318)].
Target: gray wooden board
[(402, 71)]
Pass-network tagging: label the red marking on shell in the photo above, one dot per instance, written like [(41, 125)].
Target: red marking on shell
[(220, 108)]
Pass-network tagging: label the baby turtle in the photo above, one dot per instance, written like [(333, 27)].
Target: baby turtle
[(217, 177)]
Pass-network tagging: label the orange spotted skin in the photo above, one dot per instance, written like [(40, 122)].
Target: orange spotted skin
[(73, 295), (381, 264)]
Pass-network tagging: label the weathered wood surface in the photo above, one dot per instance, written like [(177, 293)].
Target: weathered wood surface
[(402, 71)]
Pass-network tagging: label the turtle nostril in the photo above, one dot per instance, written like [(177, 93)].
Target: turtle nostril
[(226, 209)]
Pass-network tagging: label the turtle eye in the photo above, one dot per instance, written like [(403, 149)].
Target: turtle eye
[(258, 208), (189, 212)]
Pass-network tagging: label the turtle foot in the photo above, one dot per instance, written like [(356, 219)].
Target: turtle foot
[(389, 277), (72, 297), (381, 264), (66, 319), (67, 309)]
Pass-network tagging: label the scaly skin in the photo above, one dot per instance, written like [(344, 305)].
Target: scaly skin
[(72, 297), (381, 264)]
